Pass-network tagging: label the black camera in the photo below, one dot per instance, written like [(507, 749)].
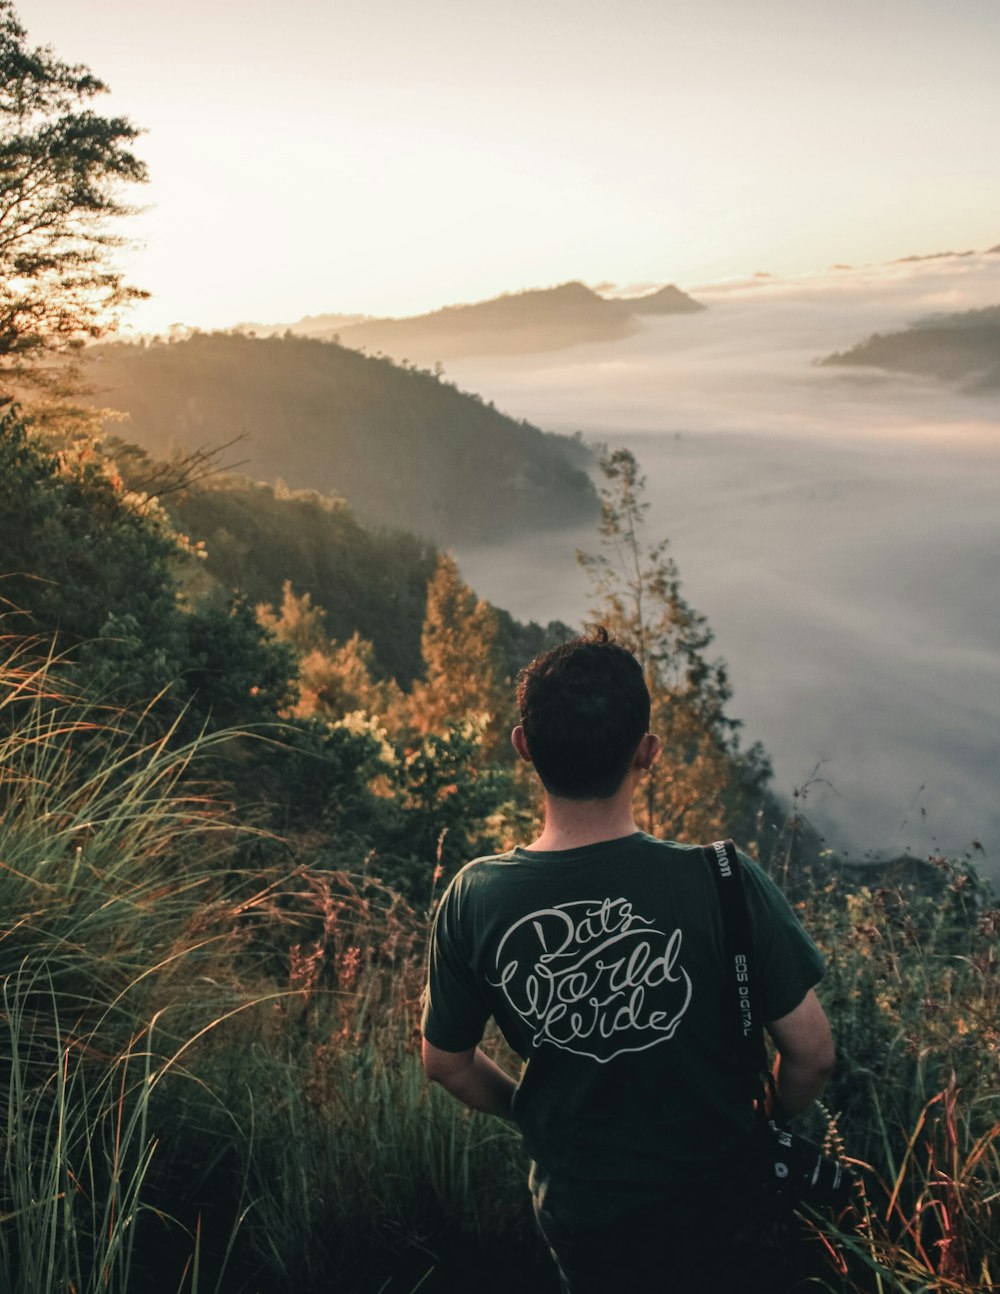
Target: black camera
[(798, 1172)]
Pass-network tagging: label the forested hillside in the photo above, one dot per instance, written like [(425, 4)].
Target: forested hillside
[(962, 347), (405, 448), (366, 580)]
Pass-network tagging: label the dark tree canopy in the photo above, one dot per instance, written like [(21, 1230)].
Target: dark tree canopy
[(94, 569), (63, 168)]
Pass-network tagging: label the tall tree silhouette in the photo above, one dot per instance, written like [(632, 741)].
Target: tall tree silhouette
[(63, 168), (704, 784)]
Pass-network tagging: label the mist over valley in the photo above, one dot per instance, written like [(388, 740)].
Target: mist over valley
[(828, 483), (839, 526)]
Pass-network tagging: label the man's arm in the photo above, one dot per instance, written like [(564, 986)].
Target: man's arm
[(471, 1077), (805, 1054)]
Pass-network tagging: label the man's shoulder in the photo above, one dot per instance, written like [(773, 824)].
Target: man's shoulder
[(642, 847), (672, 852), (482, 869)]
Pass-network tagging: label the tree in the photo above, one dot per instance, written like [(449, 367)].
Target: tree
[(463, 663), (703, 785), (335, 679), (297, 621), (88, 564), (62, 171), (93, 568)]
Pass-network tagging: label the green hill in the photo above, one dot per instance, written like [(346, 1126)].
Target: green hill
[(962, 347), (405, 448)]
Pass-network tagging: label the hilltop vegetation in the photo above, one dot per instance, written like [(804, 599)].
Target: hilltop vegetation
[(256, 538), (963, 347), (516, 323), (399, 650), (219, 934), (405, 448)]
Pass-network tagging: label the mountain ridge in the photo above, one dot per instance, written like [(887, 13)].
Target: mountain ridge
[(961, 347), (522, 322), (406, 449)]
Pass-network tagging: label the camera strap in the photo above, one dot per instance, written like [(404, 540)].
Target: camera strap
[(742, 985), (829, 1181)]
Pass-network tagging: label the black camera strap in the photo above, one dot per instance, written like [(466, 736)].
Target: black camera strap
[(742, 984)]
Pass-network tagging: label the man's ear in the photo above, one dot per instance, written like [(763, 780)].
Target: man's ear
[(649, 751), (520, 744)]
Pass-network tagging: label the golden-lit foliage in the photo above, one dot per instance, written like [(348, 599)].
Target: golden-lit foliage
[(335, 679), (463, 664)]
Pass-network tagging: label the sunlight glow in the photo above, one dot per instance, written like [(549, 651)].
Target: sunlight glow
[(388, 160)]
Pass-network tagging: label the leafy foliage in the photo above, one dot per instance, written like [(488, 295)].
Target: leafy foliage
[(182, 1036), (914, 999), (94, 568), (357, 579), (248, 976), (62, 171), (335, 679), (463, 665), (366, 580)]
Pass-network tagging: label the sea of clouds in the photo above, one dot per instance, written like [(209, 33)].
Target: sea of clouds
[(840, 528)]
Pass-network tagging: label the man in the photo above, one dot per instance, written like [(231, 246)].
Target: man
[(598, 949)]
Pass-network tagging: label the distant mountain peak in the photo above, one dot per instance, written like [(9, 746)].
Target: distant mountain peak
[(669, 300)]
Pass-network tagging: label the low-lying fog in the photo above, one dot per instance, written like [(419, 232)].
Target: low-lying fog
[(840, 528)]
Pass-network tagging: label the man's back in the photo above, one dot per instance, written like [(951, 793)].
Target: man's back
[(599, 951), (603, 966)]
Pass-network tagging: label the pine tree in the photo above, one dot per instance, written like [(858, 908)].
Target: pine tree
[(703, 785), (463, 661), (297, 621), (335, 679)]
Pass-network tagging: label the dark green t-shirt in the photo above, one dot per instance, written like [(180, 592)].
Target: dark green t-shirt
[(603, 967)]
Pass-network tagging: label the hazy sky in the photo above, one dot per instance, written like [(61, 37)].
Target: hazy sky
[(389, 157)]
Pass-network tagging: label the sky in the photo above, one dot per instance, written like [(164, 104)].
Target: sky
[(388, 158)]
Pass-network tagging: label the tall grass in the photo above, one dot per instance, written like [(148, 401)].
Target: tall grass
[(211, 1076), (200, 1060), (77, 1148), (109, 890), (356, 1165), (914, 999)]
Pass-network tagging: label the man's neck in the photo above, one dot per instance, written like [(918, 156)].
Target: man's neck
[(569, 824)]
